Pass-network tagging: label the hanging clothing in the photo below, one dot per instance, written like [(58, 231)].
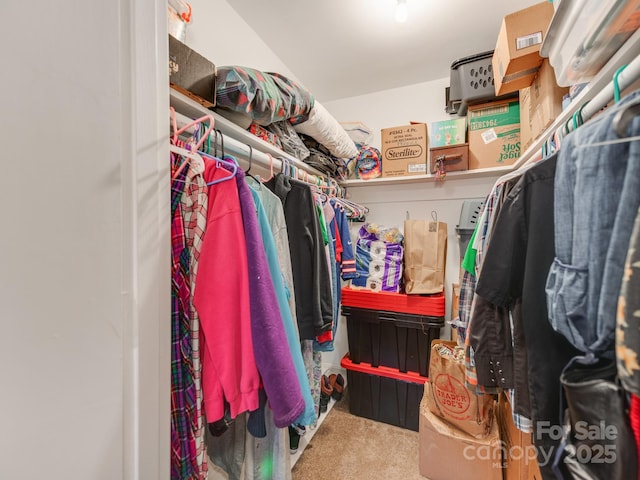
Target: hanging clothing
[(597, 194), (184, 455), (194, 211), (313, 364), (307, 417), (310, 274), (324, 343), (514, 274), (270, 347), (275, 214), (344, 250), (634, 416), (229, 371), (471, 264), (268, 458), (628, 321), (342, 262)]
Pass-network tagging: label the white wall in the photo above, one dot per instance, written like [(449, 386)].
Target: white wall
[(222, 36), (422, 102), (84, 292), (388, 204)]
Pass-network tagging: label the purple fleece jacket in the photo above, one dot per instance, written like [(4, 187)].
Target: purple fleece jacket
[(270, 346)]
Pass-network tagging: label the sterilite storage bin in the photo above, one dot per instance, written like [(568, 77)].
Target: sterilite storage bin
[(381, 337), (384, 394)]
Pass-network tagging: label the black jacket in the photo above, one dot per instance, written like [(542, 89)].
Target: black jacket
[(311, 280)]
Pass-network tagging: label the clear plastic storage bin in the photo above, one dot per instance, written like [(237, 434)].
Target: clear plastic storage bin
[(585, 34)]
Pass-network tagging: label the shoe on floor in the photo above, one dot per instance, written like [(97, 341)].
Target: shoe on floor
[(294, 440), (337, 386), (326, 390)]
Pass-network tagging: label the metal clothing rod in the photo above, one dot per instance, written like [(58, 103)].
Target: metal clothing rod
[(629, 75), (262, 161), (258, 158)]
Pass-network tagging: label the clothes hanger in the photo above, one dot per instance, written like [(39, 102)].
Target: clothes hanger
[(263, 180), (624, 116), (209, 128), (185, 153), (174, 125), (319, 193), (616, 83), (227, 162), (247, 172)]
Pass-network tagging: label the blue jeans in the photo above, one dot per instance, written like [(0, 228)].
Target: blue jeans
[(597, 194)]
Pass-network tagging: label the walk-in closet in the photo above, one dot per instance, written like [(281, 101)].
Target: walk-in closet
[(374, 239)]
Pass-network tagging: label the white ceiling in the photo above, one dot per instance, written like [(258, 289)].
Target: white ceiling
[(345, 48)]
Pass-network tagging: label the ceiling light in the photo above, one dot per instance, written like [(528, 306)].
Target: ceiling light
[(401, 11)]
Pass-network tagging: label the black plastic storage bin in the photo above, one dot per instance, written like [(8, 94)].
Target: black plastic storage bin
[(396, 340), (384, 394)]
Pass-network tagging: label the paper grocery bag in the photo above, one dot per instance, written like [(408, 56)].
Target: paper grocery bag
[(450, 399), (425, 256)]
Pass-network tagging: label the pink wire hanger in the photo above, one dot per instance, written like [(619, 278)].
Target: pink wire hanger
[(197, 146)]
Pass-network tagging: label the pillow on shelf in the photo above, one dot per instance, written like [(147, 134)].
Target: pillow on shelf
[(325, 129), (265, 97)]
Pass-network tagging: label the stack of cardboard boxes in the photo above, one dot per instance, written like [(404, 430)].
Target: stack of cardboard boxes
[(527, 100)]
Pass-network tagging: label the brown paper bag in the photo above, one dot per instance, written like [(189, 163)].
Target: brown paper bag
[(450, 399), (425, 252)]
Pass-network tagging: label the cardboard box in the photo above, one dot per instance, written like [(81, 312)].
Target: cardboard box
[(494, 134), (454, 158), (540, 104), (520, 461), (516, 58), (191, 74), (449, 132), (526, 132), (446, 453), (404, 150), (455, 299)]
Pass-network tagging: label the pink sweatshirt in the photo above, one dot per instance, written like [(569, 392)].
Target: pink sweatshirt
[(222, 300)]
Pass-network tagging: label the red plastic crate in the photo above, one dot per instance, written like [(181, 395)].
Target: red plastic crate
[(429, 305)]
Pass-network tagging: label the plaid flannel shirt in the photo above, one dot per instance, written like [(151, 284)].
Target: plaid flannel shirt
[(183, 396), (194, 203)]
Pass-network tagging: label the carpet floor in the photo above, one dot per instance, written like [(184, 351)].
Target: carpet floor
[(347, 447)]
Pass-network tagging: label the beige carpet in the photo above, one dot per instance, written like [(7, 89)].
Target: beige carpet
[(347, 447)]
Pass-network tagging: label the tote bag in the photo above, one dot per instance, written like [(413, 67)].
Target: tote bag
[(425, 255)]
